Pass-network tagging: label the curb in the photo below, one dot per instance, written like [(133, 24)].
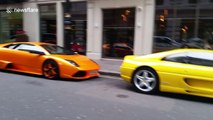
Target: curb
[(109, 73)]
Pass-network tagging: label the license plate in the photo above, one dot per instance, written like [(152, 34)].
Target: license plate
[(93, 72)]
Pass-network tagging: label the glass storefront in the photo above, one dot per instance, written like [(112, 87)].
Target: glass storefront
[(48, 23), (183, 24), (75, 34), (118, 32), (11, 26)]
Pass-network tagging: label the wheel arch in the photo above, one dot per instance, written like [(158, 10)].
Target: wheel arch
[(144, 67), (50, 59), (157, 89)]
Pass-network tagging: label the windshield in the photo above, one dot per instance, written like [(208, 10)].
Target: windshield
[(54, 49)]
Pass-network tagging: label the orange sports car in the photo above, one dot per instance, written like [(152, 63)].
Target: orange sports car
[(46, 59)]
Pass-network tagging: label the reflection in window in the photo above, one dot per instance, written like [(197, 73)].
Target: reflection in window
[(11, 46), (201, 58), (28, 47), (48, 23), (187, 23), (10, 26), (75, 38), (159, 2), (54, 49), (179, 58), (162, 43), (118, 32), (193, 1)]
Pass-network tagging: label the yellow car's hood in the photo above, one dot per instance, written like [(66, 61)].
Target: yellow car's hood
[(72, 57)]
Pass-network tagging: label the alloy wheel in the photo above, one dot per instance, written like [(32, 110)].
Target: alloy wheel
[(50, 70), (145, 80)]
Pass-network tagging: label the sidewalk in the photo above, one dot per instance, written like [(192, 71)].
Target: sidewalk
[(109, 67)]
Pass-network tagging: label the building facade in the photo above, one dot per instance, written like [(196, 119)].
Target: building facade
[(110, 29)]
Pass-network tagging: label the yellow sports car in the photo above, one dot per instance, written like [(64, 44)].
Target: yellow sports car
[(186, 71), (46, 59)]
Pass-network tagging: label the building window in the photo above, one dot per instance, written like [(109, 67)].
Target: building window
[(118, 32), (184, 24), (159, 2), (11, 1), (75, 36), (11, 25), (192, 1), (48, 23)]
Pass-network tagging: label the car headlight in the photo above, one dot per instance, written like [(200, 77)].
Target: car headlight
[(73, 63)]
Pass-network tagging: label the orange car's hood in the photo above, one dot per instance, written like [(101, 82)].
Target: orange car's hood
[(72, 57), (83, 61)]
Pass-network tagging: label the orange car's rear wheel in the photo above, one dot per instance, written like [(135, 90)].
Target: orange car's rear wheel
[(50, 69)]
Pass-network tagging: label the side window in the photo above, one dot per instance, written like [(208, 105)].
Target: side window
[(11, 46), (179, 58), (28, 47), (201, 58)]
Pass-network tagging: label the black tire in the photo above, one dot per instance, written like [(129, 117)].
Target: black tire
[(145, 80), (50, 69)]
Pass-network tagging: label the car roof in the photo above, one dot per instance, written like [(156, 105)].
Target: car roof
[(170, 52), (34, 43), (187, 50), (193, 50)]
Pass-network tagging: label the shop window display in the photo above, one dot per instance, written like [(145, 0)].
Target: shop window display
[(118, 32), (189, 24), (48, 23), (11, 27), (75, 33)]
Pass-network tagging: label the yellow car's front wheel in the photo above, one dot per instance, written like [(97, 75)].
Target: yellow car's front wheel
[(146, 80)]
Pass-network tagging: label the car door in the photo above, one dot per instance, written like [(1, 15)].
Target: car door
[(172, 70), (200, 72), (27, 59)]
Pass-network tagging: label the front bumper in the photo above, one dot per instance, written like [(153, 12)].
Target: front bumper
[(80, 75)]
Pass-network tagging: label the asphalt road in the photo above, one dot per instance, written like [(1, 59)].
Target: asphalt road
[(27, 97)]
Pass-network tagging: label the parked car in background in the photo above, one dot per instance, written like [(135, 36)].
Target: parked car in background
[(186, 71), (118, 49), (163, 43), (195, 43)]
